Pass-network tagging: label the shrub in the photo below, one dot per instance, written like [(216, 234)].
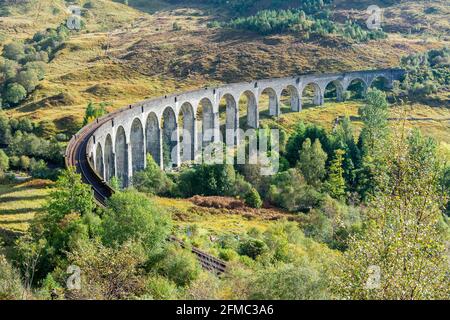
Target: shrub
[(160, 288), (152, 180), (252, 199), (180, 266), (15, 93), (252, 248), (130, 215)]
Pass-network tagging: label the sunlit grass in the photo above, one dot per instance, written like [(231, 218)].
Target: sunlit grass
[(20, 201)]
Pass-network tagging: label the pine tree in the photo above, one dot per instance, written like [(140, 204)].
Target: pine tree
[(335, 185)]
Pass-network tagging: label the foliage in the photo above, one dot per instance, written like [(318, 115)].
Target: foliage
[(68, 218), (93, 112), (10, 282), (179, 266), (296, 21), (4, 162), (299, 281), (152, 180), (335, 184), (290, 191), (312, 161), (22, 65), (108, 273), (207, 180), (400, 237), (426, 73), (252, 248), (253, 199), (130, 215)]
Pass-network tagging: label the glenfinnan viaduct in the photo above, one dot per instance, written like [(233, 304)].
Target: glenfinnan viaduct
[(119, 145)]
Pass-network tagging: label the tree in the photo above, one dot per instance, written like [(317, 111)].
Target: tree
[(253, 199), (14, 51), (28, 79), (152, 180), (5, 129), (401, 253), (312, 162), (290, 191), (92, 112), (70, 195), (67, 219), (38, 67), (8, 69), (252, 248), (130, 215), (335, 184), (374, 115), (15, 93)]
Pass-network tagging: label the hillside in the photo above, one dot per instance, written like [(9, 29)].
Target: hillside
[(125, 55)]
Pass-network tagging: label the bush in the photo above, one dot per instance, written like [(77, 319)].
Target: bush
[(207, 180), (15, 93), (252, 248), (290, 191), (130, 215), (252, 199), (180, 266), (160, 288), (152, 180), (301, 281)]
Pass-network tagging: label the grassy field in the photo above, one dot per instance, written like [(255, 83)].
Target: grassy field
[(20, 201)]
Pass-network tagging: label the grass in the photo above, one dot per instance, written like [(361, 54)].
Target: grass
[(20, 201), (185, 213)]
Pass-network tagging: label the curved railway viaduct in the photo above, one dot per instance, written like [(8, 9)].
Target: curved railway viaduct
[(115, 145), (188, 121)]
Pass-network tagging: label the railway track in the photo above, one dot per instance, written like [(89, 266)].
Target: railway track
[(76, 156)]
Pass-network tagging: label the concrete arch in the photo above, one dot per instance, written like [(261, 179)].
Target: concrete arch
[(170, 142), (294, 98), (206, 118), (357, 87), (334, 89), (137, 146), (121, 148), (153, 137), (251, 105), (274, 104), (231, 120), (317, 97), (109, 159), (187, 134), (381, 82), (99, 165)]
